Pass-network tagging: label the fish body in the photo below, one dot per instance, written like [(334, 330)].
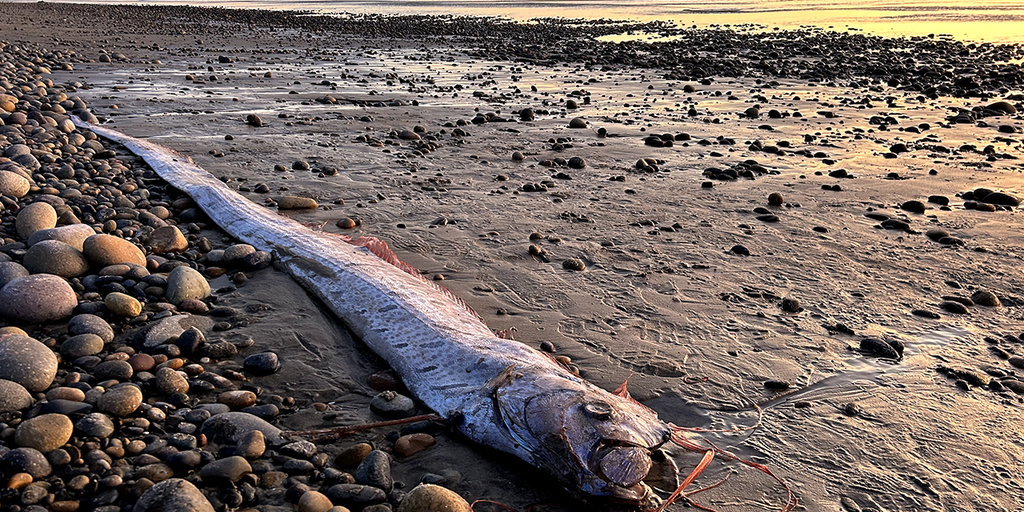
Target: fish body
[(497, 392)]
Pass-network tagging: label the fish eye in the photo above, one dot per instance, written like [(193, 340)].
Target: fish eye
[(598, 410)]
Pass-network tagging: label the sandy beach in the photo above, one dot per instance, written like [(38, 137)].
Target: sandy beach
[(823, 224)]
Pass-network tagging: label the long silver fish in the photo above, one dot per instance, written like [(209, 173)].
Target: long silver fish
[(497, 392)]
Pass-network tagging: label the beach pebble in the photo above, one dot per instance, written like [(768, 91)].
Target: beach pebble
[(577, 122), (253, 120), (313, 501), (80, 345), (740, 250), (95, 425), (913, 206), (258, 260), (375, 470), (296, 203), (775, 199), (91, 324), (168, 381), (576, 163), (346, 223), (27, 362), (355, 494), (433, 498), (167, 239), (25, 460), (392, 405), (879, 348), (413, 443), (235, 254), (73, 235), (32, 218), (251, 445), (186, 283), (122, 304), (13, 184), (120, 400), (45, 432), (237, 399), (173, 495), (574, 264), (954, 307), (229, 427), (104, 250), (191, 340), (263, 363), (351, 457), (231, 469), (113, 370), (9, 271), (37, 298), (13, 396), (986, 298)]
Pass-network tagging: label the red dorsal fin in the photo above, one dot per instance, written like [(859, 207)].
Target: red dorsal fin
[(622, 390), (381, 249)]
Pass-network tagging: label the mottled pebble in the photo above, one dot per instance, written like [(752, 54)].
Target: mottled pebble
[(104, 250), (313, 501), (167, 239), (986, 298), (296, 203), (351, 457), (45, 432), (95, 425), (229, 427), (91, 324), (410, 444), (186, 283), (25, 460), (355, 494), (392, 405), (237, 399), (10, 271), (122, 304), (80, 345), (13, 396), (37, 298), (13, 184), (574, 264), (116, 370), (27, 362), (32, 218), (229, 468), (251, 445), (169, 381), (433, 498), (263, 363), (879, 348), (173, 495), (121, 400), (55, 257), (577, 122)]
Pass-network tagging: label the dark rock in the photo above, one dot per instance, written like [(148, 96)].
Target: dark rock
[(375, 470)]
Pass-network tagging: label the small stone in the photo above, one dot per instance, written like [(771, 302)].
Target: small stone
[(37, 298), (410, 444), (251, 445), (229, 427), (433, 498), (120, 400), (186, 283), (296, 203), (105, 250), (122, 304), (32, 218), (791, 305), (229, 468), (235, 254), (55, 257), (81, 345), (73, 235), (253, 120), (577, 122), (375, 470), (25, 460), (173, 495), (142, 362), (263, 363), (776, 385), (45, 432), (954, 307), (913, 206), (9, 271), (14, 396), (27, 362), (775, 199), (574, 264), (346, 223), (392, 405), (91, 324), (936, 234), (167, 239), (355, 494), (351, 457), (168, 381), (740, 250), (237, 399), (13, 184), (986, 298), (115, 369), (95, 425), (877, 347), (313, 501), (577, 163)]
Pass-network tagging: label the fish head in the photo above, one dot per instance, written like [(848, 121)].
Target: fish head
[(598, 443)]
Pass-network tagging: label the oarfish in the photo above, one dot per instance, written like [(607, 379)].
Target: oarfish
[(496, 391)]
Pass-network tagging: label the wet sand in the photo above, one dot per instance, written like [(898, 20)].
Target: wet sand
[(667, 299)]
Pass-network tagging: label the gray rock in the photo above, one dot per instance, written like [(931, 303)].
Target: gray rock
[(168, 381), (37, 298), (172, 327), (25, 460), (229, 468), (355, 494), (95, 425), (27, 362), (116, 370), (91, 324), (34, 217), (302, 449), (104, 250), (45, 432), (427, 497), (375, 470), (235, 254), (392, 405), (191, 340), (72, 234), (87, 344), (55, 257), (173, 495), (186, 283), (120, 400), (252, 445), (13, 184), (262, 363), (13, 396), (229, 427), (9, 271)]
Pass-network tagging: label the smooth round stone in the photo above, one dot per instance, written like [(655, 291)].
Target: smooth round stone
[(351, 457), (262, 363), (173, 495), (105, 250), (91, 324), (577, 122), (296, 203), (95, 425), (13, 396), (229, 468), (13, 184), (392, 405), (116, 370), (355, 494), (188, 459), (25, 460), (174, 327), (986, 298), (37, 298), (229, 427), (313, 501), (167, 239), (81, 345), (66, 393), (9, 271), (45, 432), (169, 381), (234, 254), (122, 304), (27, 362), (413, 443), (433, 498), (252, 445), (375, 470), (55, 257), (142, 362), (121, 400), (157, 472), (72, 234), (237, 399), (186, 283), (32, 218)]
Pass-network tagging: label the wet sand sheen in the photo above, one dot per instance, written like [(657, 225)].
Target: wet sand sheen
[(667, 297)]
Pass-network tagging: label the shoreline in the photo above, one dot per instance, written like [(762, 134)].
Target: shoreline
[(699, 285)]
